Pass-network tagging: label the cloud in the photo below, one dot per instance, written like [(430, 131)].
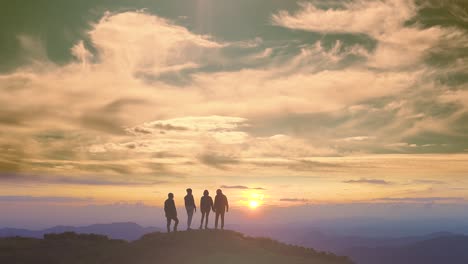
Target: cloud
[(113, 109), (113, 67), (241, 187), (332, 89), (169, 127), (172, 46), (148, 101), (102, 123), (400, 44), (294, 200), (217, 161), (458, 96), (402, 145), (310, 165), (118, 179), (191, 124), (357, 138), (370, 17), (422, 199), (368, 181), (422, 181), (44, 199)]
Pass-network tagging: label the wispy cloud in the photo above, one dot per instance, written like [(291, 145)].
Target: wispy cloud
[(46, 199), (217, 161), (423, 199), (294, 200), (423, 181), (371, 17), (385, 21), (101, 180), (368, 181), (241, 187)]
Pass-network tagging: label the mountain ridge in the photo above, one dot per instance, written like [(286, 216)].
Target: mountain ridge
[(204, 246)]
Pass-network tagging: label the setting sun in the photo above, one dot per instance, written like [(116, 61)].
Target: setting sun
[(253, 199), (253, 204)]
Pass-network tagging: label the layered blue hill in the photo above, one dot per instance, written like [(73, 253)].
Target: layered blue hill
[(126, 231)]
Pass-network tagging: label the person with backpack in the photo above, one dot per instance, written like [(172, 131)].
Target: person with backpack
[(171, 212)]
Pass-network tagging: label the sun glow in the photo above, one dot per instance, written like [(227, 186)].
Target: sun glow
[(253, 204), (253, 200)]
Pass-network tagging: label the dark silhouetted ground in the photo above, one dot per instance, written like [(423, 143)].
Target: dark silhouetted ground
[(183, 247)]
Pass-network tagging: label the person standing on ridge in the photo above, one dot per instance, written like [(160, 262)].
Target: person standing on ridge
[(171, 212), (206, 205), (221, 206), (190, 207)]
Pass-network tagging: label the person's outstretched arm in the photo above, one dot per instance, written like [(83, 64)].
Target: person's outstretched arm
[(211, 204)]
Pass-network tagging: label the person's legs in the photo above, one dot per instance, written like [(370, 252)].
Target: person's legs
[(206, 220), (222, 220), (216, 220), (176, 223), (168, 224), (189, 217), (202, 217)]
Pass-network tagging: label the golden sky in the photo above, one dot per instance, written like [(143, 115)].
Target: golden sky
[(312, 102)]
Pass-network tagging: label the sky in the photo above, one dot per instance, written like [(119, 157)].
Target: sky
[(285, 103)]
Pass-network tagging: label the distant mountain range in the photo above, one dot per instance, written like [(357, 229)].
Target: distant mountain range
[(440, 250), (315, 238), (126, 231), (436, 248), (197, 247), (335, 243)]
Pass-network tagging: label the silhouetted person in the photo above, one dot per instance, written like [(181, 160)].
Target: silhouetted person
[(190, 207), (171, 212), (206, 205), (221, 206)]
